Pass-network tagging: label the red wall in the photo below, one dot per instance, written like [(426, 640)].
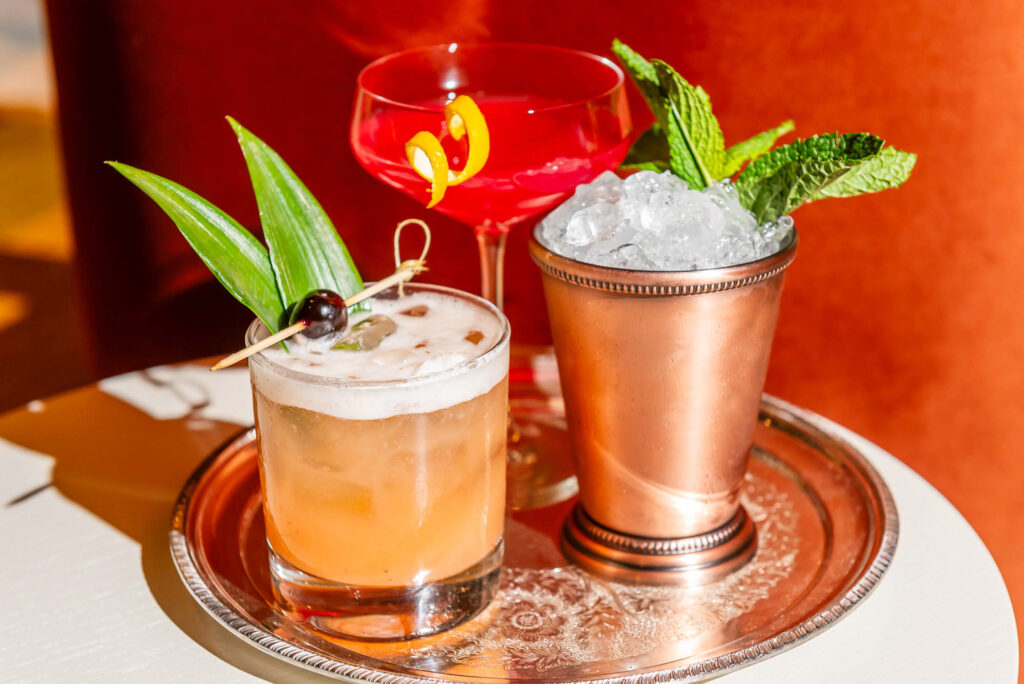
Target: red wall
[(901, 317)]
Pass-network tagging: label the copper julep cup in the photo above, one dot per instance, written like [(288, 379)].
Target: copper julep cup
[(662, 374)]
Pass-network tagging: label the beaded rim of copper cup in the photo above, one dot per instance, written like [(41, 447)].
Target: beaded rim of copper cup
[(660, 283)]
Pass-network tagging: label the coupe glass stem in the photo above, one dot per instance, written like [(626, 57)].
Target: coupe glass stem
[(491, 242)]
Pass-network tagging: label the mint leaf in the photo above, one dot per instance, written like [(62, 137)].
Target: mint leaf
[(649, 152), (789, 176), (827, 146), (690, 110), (640, 70), (752, 148), (675, 155), (887, 169), (693, 143), (305, 250), (233, 255)]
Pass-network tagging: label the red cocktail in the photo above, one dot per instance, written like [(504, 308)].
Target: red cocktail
[(556, 118)]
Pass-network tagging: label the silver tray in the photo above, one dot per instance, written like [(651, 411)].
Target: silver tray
[(827, 530)]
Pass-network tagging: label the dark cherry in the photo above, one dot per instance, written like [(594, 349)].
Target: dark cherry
[(323, 312)]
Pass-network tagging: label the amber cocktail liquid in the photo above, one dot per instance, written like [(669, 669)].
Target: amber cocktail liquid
[(383, 469)]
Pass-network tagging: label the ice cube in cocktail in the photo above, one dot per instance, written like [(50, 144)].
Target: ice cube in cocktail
[(654, 222), (383, 466)]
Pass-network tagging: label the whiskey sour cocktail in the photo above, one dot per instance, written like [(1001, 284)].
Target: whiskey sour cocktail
[(382, 459), (380, 410)]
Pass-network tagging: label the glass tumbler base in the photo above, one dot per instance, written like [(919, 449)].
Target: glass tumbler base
[(383, 613)]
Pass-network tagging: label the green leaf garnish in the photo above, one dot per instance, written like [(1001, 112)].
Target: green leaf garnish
[(675, 156), (887, 169), (305, 250), (752, 148), (690, 110), (687, 139), (692, 135), (233, 255), (789, 176), (305, 253), (641, 71)]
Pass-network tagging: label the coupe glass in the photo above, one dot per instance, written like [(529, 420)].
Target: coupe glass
[(556, 117)]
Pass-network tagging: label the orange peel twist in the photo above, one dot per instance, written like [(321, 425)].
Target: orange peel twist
[(428, 159)]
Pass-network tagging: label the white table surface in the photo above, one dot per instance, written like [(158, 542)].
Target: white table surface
[(89, 593)]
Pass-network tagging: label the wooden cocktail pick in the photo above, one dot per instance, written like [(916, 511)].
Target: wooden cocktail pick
[(404, 272)]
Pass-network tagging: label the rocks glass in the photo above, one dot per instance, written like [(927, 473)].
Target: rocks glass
[(384, 500)]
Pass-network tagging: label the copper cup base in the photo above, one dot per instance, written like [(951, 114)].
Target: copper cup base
[(695, 560)]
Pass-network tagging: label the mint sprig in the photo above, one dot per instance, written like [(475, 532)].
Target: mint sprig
[(687, 139), (305, 252), (690, 114), (690, 131), (887, 169)]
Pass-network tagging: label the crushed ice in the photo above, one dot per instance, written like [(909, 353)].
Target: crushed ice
[(654, 222)]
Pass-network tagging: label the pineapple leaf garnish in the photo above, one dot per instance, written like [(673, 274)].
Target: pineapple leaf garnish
[(233, 255), (305, 252)]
